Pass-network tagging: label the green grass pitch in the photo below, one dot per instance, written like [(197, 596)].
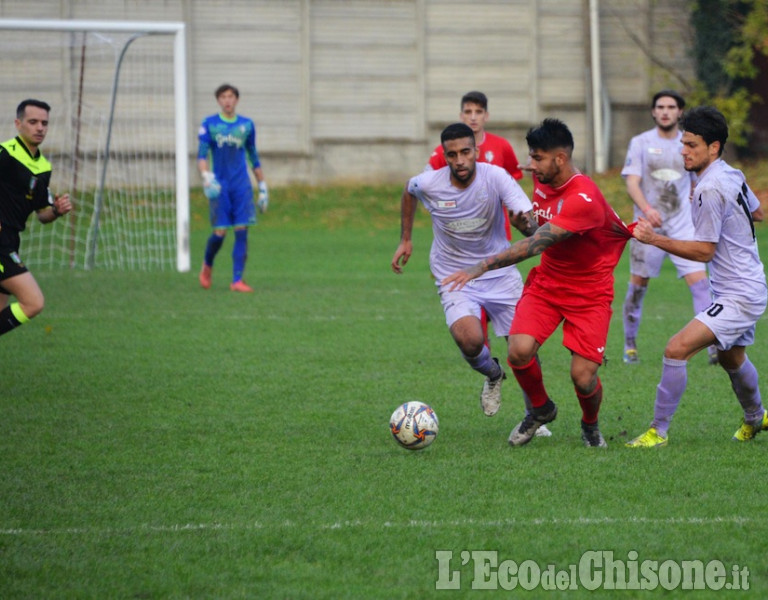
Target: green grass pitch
[(162, 441)]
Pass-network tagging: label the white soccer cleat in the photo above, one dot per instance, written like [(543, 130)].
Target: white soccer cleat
[(490, 397), (526, 429)]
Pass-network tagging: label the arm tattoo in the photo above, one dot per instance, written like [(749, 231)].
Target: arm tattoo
[(543, 238), (528, 224)]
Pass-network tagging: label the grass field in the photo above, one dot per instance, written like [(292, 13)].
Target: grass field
[(162, 441)]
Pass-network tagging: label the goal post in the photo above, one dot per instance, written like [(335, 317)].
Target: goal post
[(117, 140)]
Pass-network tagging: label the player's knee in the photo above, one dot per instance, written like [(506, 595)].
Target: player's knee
[(584, 376), (33, 309), (584, 383), (731, 360), (675, 350), (471, 347), (519, 356), (32, 305)]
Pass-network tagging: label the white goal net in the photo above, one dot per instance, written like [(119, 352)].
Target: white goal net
[(117, 139)]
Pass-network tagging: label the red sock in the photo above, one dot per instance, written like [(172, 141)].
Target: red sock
[(531, 381), (590, 405), (484, 325)]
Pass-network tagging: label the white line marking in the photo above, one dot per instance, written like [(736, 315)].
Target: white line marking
[(360, 524)]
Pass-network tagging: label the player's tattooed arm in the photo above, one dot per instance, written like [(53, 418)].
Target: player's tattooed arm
[(524, 222), (545, 236)]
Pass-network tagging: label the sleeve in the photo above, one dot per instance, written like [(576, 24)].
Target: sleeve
[(753, 203), (204, 141), (579, 213), (513, 196), (250, 146), (412, 186), (437, 160), (43, 195), (633, 164), (708, 213)]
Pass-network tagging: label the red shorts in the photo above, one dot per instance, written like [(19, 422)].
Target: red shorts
[(585, 323)]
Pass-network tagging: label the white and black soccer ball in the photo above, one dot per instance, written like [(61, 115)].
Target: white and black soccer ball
[(414, 425)]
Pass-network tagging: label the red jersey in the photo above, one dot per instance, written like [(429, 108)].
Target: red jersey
[(583, 264), (493, 149)]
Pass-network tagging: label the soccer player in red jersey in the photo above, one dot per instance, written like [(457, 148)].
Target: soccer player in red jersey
[(580, 239)]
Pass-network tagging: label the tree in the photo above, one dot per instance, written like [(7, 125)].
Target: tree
[(729, 34)]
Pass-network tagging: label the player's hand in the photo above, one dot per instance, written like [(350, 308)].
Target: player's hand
[(643, 231), (518, 220), (211, 187), (459, 279), (653, 216), (523, 222), (63, 204), (402, 254), (263, 202)]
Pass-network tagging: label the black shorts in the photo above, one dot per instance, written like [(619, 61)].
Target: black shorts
[(10, 266)]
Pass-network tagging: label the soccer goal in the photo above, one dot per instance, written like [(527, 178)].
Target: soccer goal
[(117, 138)]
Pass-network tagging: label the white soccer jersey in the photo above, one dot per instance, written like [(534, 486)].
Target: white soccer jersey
[(722, 206), (664, 181), (468, 224)]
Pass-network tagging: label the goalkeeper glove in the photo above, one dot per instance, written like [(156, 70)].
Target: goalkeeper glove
[(211, 187), (263, 202)]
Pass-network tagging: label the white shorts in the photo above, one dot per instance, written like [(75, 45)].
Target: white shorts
[(646, 260), (732, 319), (497, 295)]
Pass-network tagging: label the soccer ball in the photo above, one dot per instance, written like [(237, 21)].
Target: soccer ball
[(414, 425)]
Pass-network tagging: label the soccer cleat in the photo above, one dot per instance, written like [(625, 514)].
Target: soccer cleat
[(591, 436), (749, 430), (543, 431), (205, 277), (527, 428), (650, 439), (630, 356), (490, 397), (240, 286)]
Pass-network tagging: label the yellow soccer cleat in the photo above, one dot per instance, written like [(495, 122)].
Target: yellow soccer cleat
[(748, 431), (650, 439), (630, 356)]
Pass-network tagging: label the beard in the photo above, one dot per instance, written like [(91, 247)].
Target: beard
[(667, 128), (465, 177), (549, 176)]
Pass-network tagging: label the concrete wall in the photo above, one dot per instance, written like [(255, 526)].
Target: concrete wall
[(351, 90)]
